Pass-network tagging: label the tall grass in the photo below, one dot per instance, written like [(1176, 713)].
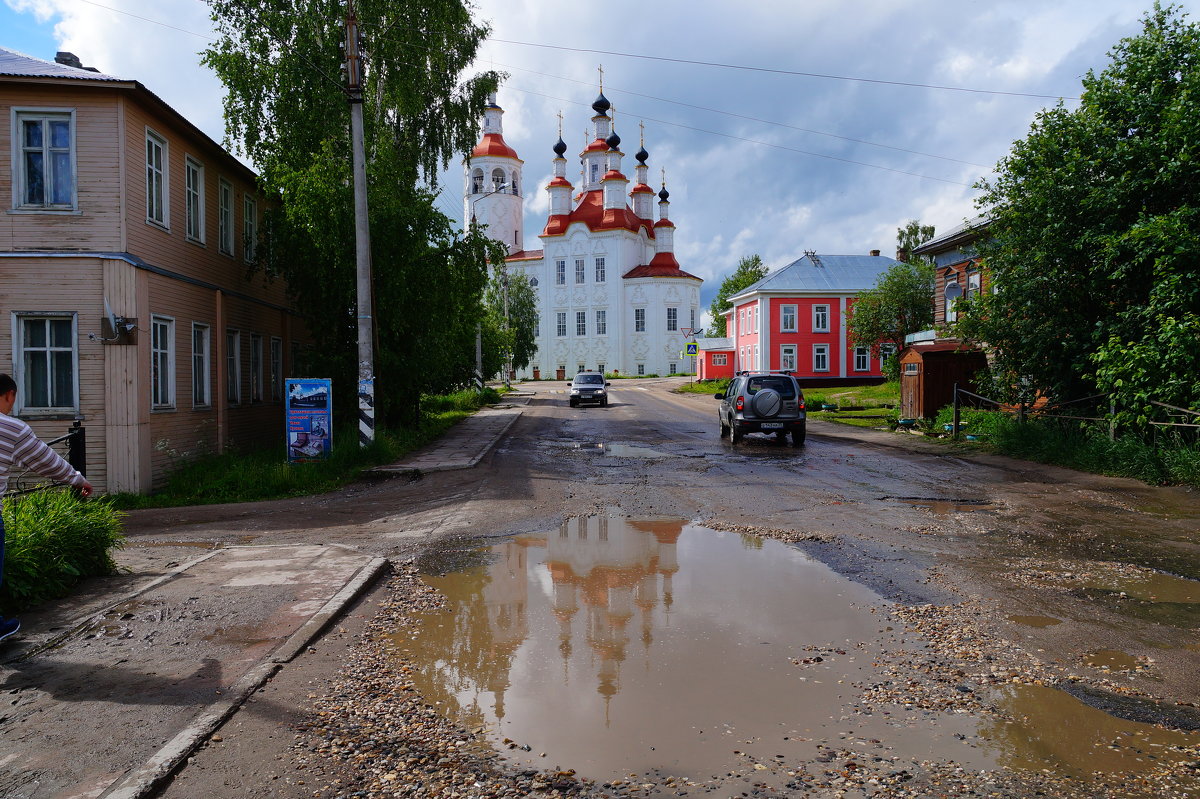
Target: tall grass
[(53, 540)]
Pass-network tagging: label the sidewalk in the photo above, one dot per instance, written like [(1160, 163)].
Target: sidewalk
[(465, 444)]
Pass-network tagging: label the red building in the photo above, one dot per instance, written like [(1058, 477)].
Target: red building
[(795, 319)]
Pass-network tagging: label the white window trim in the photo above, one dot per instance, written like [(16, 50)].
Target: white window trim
[(637, 322), (161, 141), (168, 404), (189, 164), (560, 324), (783, 315), (601, 322), (225, 217), (720, 359), (822, 349), (249, 228), (581, 323), (18, 161), (206, 376), (816, 314), (580, 271), (601, 273), (18, 361), (786, 351), (863, 353), (672, 319)]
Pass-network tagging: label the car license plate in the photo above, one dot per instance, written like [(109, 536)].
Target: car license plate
[(772, 425)]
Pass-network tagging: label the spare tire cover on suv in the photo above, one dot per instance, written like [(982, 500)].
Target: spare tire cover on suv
[(766, 403)]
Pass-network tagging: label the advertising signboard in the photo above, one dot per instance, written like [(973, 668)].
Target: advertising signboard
[(309, 419)]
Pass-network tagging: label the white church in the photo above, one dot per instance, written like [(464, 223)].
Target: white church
[(611, 296)]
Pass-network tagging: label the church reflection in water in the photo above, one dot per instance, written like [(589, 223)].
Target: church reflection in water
[(595, 583)]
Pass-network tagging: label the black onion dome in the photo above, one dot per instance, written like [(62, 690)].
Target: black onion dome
[(664, 194), (601, 105), (560, 147), (613, 141), (642, 155)]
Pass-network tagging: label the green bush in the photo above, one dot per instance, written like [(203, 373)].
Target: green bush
[(53, 540)]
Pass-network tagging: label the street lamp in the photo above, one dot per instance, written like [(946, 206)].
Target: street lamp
[(479, 325)]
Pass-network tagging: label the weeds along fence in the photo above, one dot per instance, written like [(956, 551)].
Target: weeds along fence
[(72, 446)]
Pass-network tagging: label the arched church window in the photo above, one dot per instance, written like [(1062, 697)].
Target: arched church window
[(497, 179), (516, 182), (477, 181), (533, 282)]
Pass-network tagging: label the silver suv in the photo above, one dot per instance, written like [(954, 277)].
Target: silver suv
[(762, 402), (588, 387)]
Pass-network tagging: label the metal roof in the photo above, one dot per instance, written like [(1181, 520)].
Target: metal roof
[(24, 66), (967, 231), (823, 274)]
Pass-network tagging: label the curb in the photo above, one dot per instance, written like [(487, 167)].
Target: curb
[(148, 777)]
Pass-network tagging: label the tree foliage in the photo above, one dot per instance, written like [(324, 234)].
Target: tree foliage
[(1095, 229), (901, 301), (749, 271), (517, 336), (286, 110)]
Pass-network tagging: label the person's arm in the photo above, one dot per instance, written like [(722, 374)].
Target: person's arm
[(31, 451)]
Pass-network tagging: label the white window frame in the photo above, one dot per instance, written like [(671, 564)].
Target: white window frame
[(581, 323), (202, 366), (639, 320), (788, 357), (276, 369), (820, 318), (162, 363), (600, 368), (754, 316), (862, 359), (257, 389), (158, 180), (560, 326), (22, 405), (601, 270), (560, 272), (720, 359), (225, 198), (788, 316), (601, 323), (885, 351), (912, 368), (249, 227), (581, 367), (820, 357), (580, 271), (672, 319), (20, 184), (233, 367), (193, 206)]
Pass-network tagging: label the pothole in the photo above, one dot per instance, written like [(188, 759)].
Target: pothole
[(1035, 621)]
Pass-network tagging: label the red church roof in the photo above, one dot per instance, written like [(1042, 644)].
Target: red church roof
[(493, 144), (663, 264), (591, 212)]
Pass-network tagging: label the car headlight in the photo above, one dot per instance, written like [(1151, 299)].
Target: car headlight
[(599, 391), (574, 391)]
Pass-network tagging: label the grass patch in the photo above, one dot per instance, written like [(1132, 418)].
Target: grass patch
[(266, 474), (868, 417), (709, 387), (54, 539), (880, 396)]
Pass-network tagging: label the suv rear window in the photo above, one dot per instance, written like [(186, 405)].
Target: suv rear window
[(785, 386)]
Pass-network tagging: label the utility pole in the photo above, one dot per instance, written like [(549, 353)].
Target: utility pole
[(362, 234)]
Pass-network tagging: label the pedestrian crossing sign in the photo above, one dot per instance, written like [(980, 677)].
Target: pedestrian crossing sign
[(693, 349)]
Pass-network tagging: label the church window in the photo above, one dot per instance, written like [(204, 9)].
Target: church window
[(673, 368), (579, 271), (497, 179), (560, 323), (601, 323), (582, 367), (560, 273), (639, 320), (533, 281), (600, 368), (692, 314), (516, 182), (641, 368), (599, 270), (477, 181), (581, 323), (537, 330), (595, 171), (673, 319)]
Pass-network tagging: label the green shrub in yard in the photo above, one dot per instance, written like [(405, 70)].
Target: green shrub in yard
[(53, 539)]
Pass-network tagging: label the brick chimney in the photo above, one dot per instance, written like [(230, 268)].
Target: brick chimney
[(875, 253), (71, 60)]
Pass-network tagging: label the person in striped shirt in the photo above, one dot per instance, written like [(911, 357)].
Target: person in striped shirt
[(19, 445)]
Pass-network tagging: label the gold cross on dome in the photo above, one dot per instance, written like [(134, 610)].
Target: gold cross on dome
[(601, 68), (560, 123), (642, 126)]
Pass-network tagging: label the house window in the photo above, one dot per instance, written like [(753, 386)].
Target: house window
[(256, 367), (720, 359), (820, 357), (672, 319), (45, 169), (581, 323), (276, 369), (639, 320), (560, 273), (249, 227), (47, 362), (757, 360), (193, 174), (156, 179), (233, 367), (162, 362), (599, 270), (951, 302), (742, 321), (641, 368), (820, 318), (787, 319), (601, 323), (225, 217), (754, 316), (561, 326), (201, 371), (886, 351), (862, 359), (579, 271), (787, 357)]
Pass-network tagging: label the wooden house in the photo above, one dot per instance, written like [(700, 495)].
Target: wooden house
[(125, 277)]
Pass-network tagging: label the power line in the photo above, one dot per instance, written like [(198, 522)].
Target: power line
[(784, 71)]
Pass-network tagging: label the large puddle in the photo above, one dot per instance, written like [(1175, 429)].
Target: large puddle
[(629, 649)]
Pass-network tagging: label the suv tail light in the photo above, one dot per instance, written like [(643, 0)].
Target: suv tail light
[(801, 407), (741, 403)]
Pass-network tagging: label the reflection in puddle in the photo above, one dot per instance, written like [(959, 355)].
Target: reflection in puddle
[(1053, 728), (1113, 659), (1035, 621), (1151, 586), (631, 451)]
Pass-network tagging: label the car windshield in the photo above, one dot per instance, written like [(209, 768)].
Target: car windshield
[(589, 380), (783, 385)]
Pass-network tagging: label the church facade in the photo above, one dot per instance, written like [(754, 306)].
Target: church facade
[(611, 295)]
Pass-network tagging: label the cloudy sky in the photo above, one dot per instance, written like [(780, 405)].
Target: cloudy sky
[(783, 125)]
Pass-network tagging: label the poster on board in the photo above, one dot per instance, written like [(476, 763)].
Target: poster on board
[(309, 419)]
